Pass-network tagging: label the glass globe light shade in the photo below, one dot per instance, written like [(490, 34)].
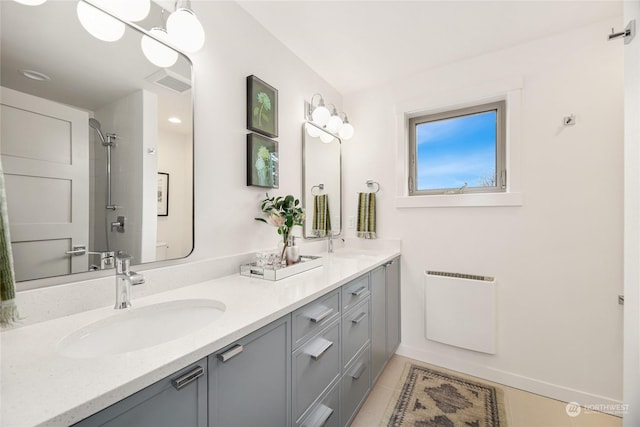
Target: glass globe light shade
[(99, 24), (321, 115), (185, 30), (313, 131), (30, 2), (346, 131), (326, 137), (157, 53), (334, 124)]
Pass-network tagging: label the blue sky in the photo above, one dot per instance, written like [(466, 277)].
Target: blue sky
[(457, 150)]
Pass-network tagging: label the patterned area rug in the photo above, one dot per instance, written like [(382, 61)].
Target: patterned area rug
[(429, 398)]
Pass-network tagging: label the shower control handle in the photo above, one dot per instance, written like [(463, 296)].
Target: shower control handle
[(118, 225)]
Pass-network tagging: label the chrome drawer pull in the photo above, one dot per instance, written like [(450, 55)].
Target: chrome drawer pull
[(359, 291), (228, 355), (319, 417), (318, 348), (317, 318), (360, 318), (356, 375), (188, 378)]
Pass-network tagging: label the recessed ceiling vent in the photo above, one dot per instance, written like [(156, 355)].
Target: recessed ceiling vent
[(170, 80)]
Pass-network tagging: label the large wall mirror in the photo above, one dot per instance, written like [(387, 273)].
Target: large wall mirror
[(92, 164), (321, 182)]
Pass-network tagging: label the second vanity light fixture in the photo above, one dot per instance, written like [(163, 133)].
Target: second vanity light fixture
[(330, 121), (183, 29)]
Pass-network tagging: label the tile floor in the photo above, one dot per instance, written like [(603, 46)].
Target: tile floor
[(523, 409)]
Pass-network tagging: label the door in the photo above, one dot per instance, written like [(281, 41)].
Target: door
[(45, 157)]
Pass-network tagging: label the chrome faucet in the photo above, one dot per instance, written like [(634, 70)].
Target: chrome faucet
[(125, 278)]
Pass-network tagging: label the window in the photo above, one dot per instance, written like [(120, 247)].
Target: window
[(460, 151)]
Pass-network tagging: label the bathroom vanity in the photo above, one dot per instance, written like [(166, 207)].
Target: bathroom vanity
[(301, 351)]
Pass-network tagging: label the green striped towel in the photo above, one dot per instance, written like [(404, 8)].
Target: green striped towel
[(8, 309), (366, 227), (321, 216)]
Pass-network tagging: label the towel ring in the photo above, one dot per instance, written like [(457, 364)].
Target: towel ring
[(319, 187), (371, 183)]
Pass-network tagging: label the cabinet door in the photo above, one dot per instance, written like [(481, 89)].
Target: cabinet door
[(378, 322), (179, 400), (393, 306), (249, 381)]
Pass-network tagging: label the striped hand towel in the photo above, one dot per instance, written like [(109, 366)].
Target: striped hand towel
[(366, 227), (8, 309), (321, 216)]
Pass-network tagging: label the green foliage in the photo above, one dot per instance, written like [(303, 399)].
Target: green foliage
[(265, 105), (282, 212)]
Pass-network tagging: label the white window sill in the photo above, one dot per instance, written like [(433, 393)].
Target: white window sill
[(460, 200)]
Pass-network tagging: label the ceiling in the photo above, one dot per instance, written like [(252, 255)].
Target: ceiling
[(359, 44)]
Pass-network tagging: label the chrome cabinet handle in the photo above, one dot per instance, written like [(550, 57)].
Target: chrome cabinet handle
[(321, 316), (319, 348), (359, 291), (230, 354), (359, 319), (319, 417), (188, 378), (358, 371)]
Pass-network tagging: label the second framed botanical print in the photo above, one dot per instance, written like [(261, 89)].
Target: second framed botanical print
[(262, 107)]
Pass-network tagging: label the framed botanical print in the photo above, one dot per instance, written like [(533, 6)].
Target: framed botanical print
[(262, 161), (163, 194), (262, 107)]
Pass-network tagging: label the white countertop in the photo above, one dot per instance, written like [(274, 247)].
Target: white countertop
[(41, 387)]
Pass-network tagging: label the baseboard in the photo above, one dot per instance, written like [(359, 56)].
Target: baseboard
[(511, 379)]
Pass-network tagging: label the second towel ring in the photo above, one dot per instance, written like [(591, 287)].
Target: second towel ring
[(371, 183), (320, 187)]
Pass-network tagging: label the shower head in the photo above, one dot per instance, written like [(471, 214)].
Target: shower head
[(93, 123)]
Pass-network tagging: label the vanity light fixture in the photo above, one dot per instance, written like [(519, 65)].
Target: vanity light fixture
[(184, 28), (326, 137), (331, 122), (175, 120)]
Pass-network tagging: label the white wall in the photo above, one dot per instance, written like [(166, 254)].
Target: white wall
[(237, 47), (175, 157), (632, 223), (557, 258)]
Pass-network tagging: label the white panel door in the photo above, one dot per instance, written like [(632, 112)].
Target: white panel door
[(45, 157)]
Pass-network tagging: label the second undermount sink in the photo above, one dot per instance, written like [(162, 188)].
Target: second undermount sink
[(139, 328)]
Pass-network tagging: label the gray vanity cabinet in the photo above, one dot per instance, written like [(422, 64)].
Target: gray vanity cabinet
[(385, 314), (179, 400), (250, 380)]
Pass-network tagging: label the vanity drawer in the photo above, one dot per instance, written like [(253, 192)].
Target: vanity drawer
[(316, 364), (309, 319), (355, 385), (354, 292), (325, 413), (355, 330)]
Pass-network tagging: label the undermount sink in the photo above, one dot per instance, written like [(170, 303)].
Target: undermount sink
[(139, 328)]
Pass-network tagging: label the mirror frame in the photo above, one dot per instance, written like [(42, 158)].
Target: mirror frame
[(304, 180), (44, 282)]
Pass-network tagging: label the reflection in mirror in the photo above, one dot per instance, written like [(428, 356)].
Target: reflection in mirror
[(85, 139), (321, 182)]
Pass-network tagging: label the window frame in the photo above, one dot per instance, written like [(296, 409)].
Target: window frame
[(501, 136)]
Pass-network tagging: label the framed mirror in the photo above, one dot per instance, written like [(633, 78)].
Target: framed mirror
[(321, 182), (96, 144)]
